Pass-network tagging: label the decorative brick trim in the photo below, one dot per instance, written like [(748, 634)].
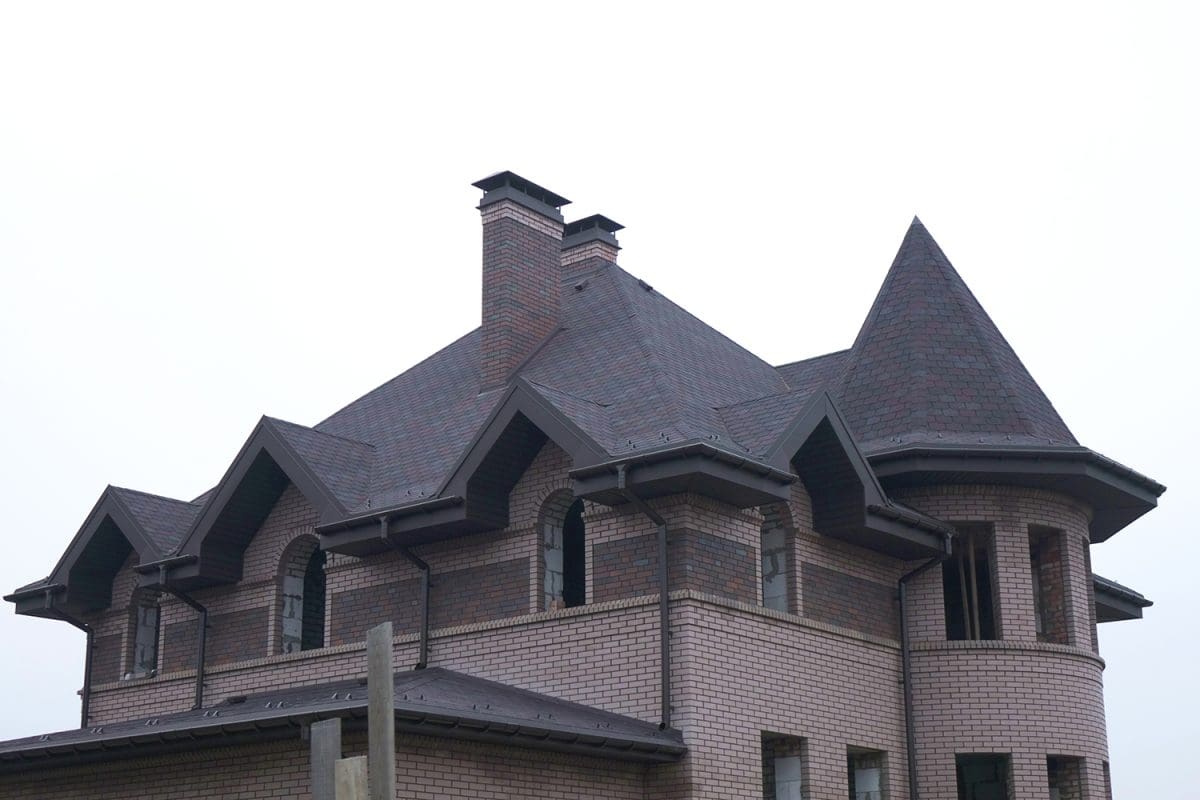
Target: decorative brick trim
[(582, 252), (507, 209), (1024, 646)]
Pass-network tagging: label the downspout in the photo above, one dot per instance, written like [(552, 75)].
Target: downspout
[(423, 648), (664, 610), (86, 692), (201, 633), (910, 724)]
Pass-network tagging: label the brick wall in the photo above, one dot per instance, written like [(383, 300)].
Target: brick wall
[(426, 768), (1028, 699), (695, 560), (841, 599), (106, 657), (829, 675), (354, 611)]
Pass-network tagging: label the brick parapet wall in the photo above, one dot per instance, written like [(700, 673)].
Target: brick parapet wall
[(620, 636), (740, 670)]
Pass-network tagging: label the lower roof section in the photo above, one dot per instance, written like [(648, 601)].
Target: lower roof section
[(1115, 602), (429, 702)]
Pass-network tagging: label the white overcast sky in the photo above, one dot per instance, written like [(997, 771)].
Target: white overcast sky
[(211, 211)]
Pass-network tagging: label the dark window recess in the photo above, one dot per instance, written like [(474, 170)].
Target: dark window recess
[(773, 546), (144, 621), (574, 563), (967, 587), (1046, 574), (783, 760), (564, 553), (1065, 775), (312, 636), (302, 610), (866, 771), (982, 777)]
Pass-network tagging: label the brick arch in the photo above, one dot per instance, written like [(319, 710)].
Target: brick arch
[(301, 598), (552, 487)]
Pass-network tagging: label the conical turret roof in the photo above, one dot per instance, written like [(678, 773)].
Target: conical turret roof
[(930, 367)]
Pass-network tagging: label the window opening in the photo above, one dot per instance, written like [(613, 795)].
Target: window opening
[(145, 622), (783, 768), (302, 615), (1066, 777), (564, 553), (1046, 572), (982, 777), (866, 772), (773, 546), (967, 587)]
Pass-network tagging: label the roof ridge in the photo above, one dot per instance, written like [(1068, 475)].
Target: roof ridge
[(175, 500), (810, 359), (322, 433), (790, 390), (568, 394)]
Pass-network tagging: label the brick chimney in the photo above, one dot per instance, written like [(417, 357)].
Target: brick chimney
[(590, 237), (522, 246)]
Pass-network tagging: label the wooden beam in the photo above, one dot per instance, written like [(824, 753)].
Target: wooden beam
[(325, 749), (381, 713)]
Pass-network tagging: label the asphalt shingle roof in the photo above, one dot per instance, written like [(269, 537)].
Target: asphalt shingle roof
[(432, 701), (930, 366), (636, 372), (164, 520)]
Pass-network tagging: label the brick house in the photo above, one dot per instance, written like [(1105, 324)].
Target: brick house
[(623, 558)]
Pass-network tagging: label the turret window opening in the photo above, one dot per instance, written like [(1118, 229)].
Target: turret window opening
[(967, 586), (1046, 575), (302, 604), (564, 553)]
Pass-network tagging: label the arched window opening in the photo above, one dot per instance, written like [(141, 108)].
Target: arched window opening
[(302, 611), (564, 553), (143, 623)]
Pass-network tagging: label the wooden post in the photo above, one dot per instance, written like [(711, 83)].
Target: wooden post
[(351, 778), (325, 749), (381, 713)]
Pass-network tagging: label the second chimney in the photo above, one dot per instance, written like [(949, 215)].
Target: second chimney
[(590, 237), (522, 252)]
